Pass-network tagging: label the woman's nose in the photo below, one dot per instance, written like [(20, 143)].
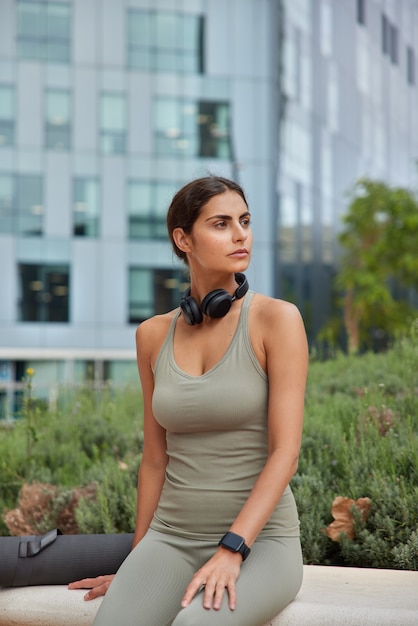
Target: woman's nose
[(240, 233)]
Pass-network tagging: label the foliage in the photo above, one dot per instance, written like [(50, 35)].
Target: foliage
[(42, 507), (74, 442), (379, 262), (360, 441), (114, 508)]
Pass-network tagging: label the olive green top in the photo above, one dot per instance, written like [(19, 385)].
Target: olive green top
[(216, 427)]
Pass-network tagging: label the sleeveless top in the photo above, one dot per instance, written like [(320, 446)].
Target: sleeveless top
[(216, 431)]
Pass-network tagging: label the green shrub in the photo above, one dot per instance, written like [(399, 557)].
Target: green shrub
[(360, 440), (114, 508), (70, 444)]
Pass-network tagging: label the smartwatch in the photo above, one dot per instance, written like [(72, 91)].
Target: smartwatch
[(235, 543)]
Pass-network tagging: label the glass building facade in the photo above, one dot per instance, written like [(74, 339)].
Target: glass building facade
[(351, 110), (106, 108)]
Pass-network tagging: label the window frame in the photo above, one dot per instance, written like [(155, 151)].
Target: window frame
[(90, 227), (361, 12), (166, 288), (385, 34), (189, 137), (410, 65), (41, 305), (8, 122), (44, 41), (153, 222), (51, 128), (16, 213), (118, 136), (154, 53), (394, 44)]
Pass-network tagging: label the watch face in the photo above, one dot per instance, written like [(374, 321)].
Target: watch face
[(233, 541)]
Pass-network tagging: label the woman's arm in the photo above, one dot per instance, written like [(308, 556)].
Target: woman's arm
[(279, 340), (286, 363), (149, 338), (154, 458)]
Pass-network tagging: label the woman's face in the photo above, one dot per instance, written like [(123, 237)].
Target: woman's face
[(221, 237)]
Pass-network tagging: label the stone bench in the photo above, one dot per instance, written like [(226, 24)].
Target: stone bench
[(330, 596)]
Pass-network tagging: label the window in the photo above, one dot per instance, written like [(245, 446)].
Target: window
[(29, 204), (44, 31), (153, 291), (394, 43), (326, 42), (113, 123), (385, 34), (410, 65), (293, 53), (43, 293), (361, 12), (7, 122), (86, 207), (390, 40), (148, 202), (6, 203), (166, 42), (57, 124), (213, 122), (21, 204), (193, 129)]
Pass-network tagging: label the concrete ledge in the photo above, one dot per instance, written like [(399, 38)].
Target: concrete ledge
[(346, 596), (329, 596)]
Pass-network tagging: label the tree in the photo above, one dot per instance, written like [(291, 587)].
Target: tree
[(380, 256)]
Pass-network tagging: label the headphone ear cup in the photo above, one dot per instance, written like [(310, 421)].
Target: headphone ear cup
[(191, 312), (216, 303), (242, 285)]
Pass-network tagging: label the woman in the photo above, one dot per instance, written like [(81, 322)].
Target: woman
[(223, 380)]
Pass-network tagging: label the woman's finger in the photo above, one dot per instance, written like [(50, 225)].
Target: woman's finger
[(232, 593), (191, 591), (210, 589), (98, 586), (96, 592)]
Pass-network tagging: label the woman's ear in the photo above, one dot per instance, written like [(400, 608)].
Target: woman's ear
[(182, 240)]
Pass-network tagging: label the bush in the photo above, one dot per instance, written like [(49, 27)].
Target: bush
[(114, 508), (72, 445), (360, 441)]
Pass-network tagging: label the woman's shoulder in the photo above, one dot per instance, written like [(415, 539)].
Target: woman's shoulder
[(275, 327), (157, 322), (274, 310), (150, 333)]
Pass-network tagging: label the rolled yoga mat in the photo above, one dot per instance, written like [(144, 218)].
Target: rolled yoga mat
[(57, 559)]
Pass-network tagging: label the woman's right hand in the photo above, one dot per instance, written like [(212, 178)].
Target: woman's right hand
[(98, 586)]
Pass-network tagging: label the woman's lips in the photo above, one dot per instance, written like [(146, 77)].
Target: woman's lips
[(239, 254)]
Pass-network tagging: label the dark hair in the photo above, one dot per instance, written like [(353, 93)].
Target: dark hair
[(188, 202)]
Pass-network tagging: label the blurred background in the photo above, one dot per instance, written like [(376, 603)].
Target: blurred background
[(107, 107)]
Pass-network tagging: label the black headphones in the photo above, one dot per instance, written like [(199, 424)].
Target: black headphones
[(215, 304)]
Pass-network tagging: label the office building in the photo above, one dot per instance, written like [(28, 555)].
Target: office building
[(351, 110), (108, 106)]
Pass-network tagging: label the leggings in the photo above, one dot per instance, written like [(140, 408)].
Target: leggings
[(151, 582)]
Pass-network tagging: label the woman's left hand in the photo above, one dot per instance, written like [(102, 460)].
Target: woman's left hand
[(219, 573)]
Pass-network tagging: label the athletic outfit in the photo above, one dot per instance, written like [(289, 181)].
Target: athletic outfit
[(216, 427)]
